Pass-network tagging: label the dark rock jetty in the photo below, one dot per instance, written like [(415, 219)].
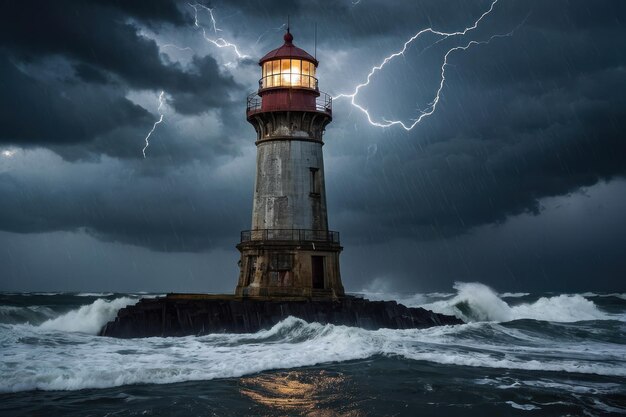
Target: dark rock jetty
[(198, 314)]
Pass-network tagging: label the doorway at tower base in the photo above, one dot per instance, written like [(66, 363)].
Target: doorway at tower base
[(289, 269)]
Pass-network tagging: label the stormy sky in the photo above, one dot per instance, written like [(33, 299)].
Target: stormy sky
[(516, 180)]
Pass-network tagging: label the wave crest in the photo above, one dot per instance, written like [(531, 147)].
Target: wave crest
[(291, 343), (89, 318), (477, 302), (28, 314)]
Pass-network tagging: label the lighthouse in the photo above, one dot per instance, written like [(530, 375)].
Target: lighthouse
[(289, 250)]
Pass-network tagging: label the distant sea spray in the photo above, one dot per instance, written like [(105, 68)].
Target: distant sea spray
[(476, 302)]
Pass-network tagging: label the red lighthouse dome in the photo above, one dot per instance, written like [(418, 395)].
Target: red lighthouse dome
[(288, 82), (288, 50)]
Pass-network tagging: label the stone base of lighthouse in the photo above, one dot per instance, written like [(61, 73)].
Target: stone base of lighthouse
[(289, 268)]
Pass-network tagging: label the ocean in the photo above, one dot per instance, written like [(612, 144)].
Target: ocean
[(519, 354)]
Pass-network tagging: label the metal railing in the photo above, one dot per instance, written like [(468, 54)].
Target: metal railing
[(300, 235), (323, 103), (254, 103)]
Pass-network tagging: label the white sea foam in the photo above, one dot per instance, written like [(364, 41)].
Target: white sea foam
[(440, 294), (514, 294), (89, 318), (525, 407), (569, 385), (33, 359), (621, 296), (477, 302), (379, 289), (577, 387), (37, 357), (106, 362), (94, 294), (562, 308), (409, 300), (146, 295), (605, 408)]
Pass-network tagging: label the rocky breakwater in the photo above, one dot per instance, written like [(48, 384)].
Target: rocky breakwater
[(198, 314)]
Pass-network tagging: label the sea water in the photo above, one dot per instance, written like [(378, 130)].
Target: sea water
[(518, 354)]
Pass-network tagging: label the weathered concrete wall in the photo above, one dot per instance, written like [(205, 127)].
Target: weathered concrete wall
[(282, 124), (256, 279), (284, 196), (289, 194), (189, 314)]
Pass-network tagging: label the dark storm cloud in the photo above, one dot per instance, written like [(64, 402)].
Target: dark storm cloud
[(33, 112), (152, 11), (487, 167), (345, 21), (114, 202), (103, 47), (525, 118)]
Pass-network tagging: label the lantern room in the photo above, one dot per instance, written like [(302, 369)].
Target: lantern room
[(288, 82), (288, 72), (288, 66)]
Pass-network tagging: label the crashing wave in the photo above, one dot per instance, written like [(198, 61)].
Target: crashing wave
[(89, 318), (477, 302)]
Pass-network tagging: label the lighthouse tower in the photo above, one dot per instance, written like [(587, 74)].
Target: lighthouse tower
[(289, 250)]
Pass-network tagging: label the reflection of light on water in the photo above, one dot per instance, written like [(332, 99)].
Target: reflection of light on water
[(318, 393)]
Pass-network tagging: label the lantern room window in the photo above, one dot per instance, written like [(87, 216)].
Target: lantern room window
[(288, 73)]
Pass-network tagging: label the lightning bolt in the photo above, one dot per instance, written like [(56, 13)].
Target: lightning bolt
[(432, 106), (220, 42), (161, 103)]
